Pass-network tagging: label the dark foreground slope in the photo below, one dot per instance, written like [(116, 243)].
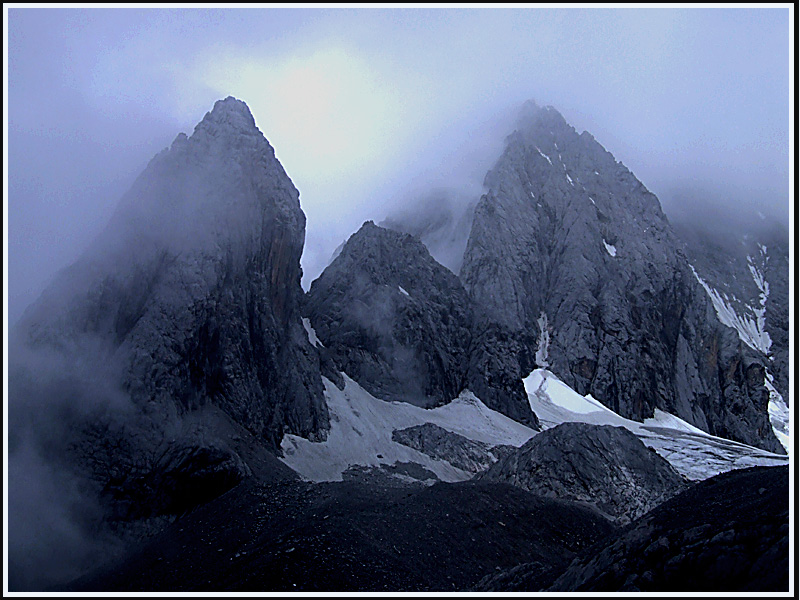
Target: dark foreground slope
[(725, 534), (354, 537)]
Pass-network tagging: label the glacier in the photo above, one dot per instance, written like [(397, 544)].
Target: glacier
[(362, 427), (694, 453)]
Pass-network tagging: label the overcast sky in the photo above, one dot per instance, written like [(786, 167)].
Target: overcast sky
[(366, 107)]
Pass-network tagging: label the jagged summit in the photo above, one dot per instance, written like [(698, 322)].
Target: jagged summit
[(568, 241), (231, 114), (402, 326), (191, 297), (380, 309), (229, 118), (531, 115)]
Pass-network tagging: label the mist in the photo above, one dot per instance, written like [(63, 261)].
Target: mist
[(367, 109), (56, 532), (375, 114)]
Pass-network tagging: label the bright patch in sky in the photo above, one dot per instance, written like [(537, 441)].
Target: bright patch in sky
[(326, 113)]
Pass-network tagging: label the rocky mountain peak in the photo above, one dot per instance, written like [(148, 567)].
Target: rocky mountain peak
[(402, 326), (532, 117), (380, 252), (568, 239), (227, 133), (394, 319), (230, 114), (192, 294)]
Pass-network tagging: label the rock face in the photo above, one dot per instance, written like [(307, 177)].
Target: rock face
[(395, 321), (573, 260), (604, 466), (189, 301), (403, 327), (745, 269), (727, 533), (437, 442)]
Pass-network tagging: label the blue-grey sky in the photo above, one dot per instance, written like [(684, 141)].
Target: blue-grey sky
[(367, 106)]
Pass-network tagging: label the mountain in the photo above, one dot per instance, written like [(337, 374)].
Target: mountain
[(182, 416), (167, 364), (402, 326), (393, 319), (574, 257)]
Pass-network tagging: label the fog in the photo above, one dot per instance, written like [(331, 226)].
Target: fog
[(371, 112), (368, 108)]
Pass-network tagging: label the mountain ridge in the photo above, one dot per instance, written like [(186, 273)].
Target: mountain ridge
[(568, 234)]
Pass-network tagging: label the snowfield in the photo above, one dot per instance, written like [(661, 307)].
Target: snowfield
[(693, 452), (362, 426), (361, 433), (751, 330)]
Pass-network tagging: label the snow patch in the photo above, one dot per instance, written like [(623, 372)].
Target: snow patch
[(570, 180), (548, 388), (664, 419), (778, 413), (693, 453), (612, 250), (312, 335), (751, 330), (362, 425), (592, 199), (402, 291), (545, 155)]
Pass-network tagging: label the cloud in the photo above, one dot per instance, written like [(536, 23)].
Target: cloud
[(364, 107)]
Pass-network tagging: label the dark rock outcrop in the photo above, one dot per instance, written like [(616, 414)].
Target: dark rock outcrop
[(399, 474), (461, 452), (729, 533), (566, 240), (187, 303), (403, 327), (604, 466)]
